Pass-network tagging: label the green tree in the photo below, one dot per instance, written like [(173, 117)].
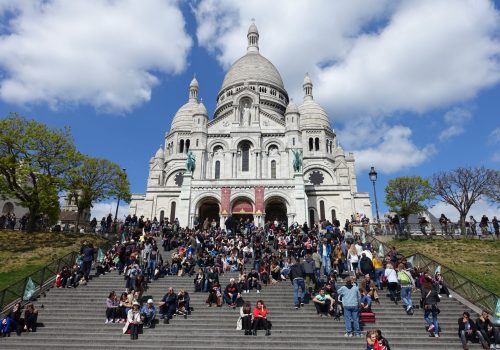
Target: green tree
[(407, 195), (463, 187), (95, 180), (33, 160)]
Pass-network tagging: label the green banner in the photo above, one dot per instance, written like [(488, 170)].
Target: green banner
[(100, 255), (29, 290), (496, 314)]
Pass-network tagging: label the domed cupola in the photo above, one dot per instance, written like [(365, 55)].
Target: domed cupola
[(183, 119), (292, 108), (312, 115), (255, 72), (160, 154)]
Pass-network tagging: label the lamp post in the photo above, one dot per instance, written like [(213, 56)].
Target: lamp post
[(118, 204), (373, 178)]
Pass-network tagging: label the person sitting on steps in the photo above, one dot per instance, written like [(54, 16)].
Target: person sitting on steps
[(260, 313)]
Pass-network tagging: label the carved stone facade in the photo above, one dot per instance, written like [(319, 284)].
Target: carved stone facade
[(244, 155)]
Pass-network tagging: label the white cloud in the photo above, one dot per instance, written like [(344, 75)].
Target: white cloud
[(479, 209), (104, 53), (101, 210), (420, 55), (455, 118), (495, 136), (392, 150), (369, 60)]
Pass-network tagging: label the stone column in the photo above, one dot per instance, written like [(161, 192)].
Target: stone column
[(259, 172), (300, 198), (209, 165), (185, 200), (264, 165)]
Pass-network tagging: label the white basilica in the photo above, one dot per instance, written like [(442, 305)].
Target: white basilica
[(244, 155)]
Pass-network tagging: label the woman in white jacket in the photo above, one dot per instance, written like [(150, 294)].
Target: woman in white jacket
[(133, 321), (392, 282), (353, 258)]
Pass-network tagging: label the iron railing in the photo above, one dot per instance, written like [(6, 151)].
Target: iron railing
[(43, 278), (469, 290), (407, 230)]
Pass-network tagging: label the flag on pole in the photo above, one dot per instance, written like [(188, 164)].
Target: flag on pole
[(29, 290), (381, 252), (496, 315), (100, 255)]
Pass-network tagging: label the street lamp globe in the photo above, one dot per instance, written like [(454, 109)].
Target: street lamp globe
[(373, 174)]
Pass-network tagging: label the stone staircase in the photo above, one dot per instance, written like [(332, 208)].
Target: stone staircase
[(74, 319)]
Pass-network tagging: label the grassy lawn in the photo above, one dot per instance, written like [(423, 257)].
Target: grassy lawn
[(477, 260), (23, 253)]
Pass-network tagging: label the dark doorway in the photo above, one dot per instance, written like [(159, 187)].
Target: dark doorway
[(209, 209), (276, 210)]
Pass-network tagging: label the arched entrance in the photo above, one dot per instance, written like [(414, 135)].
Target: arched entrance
[(276, 210), (8, 208), (242, 210), (208, 209)]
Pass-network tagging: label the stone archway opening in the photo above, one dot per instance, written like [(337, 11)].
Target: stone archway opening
[(276, 210), (242, 211), (209, 209)]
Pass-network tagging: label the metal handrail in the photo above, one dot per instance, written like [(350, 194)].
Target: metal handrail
[(43, 278), (405, 230), (469, 290)]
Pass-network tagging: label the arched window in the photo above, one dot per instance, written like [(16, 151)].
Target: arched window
[(327, 144), (316, 144), (181, 146), (162, 215), (334, 215), (197, 142), (322, 210), (311, 218), (293, 141), (310, 144), (245, 157), (273, 169), (188, 142), (172, 211), (217, 170)]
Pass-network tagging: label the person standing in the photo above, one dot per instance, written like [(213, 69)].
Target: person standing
[(325, 251), (496, 226), (87, 250), (297, 275), (350, 296), (407, 287), (431, 298)]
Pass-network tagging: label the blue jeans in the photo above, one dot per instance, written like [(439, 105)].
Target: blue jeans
[(298, 282), (325, 260), (432, 310), (406, 296), (351, 315), (378, 277)]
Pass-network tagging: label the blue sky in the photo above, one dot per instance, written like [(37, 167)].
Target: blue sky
[(412, 87)]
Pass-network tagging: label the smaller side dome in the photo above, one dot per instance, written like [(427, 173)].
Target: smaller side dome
[(313, 116), (292, 108), (201, 109), (159, 154)]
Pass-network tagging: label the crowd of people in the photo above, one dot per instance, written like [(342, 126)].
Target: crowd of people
[(313, 260)]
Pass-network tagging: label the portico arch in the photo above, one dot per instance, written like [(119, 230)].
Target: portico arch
[(276, 209), (208, 208)]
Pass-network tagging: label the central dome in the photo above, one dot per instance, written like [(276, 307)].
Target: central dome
[(253, 67)]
